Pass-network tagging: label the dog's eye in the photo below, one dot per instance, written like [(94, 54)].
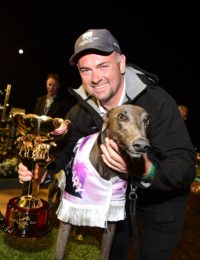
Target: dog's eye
[(122, 117), (146, 121)]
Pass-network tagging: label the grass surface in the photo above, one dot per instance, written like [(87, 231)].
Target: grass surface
[(14, 248)]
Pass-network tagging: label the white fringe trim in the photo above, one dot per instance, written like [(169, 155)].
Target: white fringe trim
[(116, 211), (90, 215), (87, 215)]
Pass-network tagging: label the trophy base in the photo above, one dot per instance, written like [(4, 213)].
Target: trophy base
[(25, 221)]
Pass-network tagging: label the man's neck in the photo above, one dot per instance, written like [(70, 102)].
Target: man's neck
[(116, 100)]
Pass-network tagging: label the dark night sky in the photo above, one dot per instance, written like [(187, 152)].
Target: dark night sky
[(161, 39)]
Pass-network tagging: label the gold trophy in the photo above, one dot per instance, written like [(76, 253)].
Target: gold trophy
[(27, 215)]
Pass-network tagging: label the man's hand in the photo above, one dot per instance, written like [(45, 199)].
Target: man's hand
[(23, 173), (111, 156)]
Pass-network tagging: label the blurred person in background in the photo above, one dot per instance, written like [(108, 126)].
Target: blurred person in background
[(54, 103), (183, 111)]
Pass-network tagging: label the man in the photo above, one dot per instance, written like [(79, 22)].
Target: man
[(53, 104), (170, 164)]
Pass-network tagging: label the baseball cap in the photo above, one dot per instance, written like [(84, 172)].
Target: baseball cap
[(94, 39)]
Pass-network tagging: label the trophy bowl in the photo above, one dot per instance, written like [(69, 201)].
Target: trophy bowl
[(27, 215)]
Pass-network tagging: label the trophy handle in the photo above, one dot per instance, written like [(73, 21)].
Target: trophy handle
[(36, 180), (31, 188)]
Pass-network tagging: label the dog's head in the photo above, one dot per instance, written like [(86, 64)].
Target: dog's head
[(127, 126)]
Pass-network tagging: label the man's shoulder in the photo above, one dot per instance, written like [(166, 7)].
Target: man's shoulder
[(145, 76), (40, 99), (67, 100)]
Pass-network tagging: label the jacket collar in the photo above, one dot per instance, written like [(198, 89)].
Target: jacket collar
[(134, 85)]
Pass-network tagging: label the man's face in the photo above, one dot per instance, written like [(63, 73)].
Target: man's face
[(184, 112), (52, 87), (102, 76)]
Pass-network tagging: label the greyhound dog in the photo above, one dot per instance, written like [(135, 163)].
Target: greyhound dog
[(127, 126)]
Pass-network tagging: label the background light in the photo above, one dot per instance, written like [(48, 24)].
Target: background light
[(21, 51)]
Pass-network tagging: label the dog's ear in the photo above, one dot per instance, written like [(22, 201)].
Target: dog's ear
[(105, 121)]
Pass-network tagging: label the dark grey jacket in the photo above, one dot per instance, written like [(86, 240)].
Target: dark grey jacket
[(171, 149), (58, 108)]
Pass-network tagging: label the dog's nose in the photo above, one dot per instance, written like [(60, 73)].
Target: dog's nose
[(141, 145)]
